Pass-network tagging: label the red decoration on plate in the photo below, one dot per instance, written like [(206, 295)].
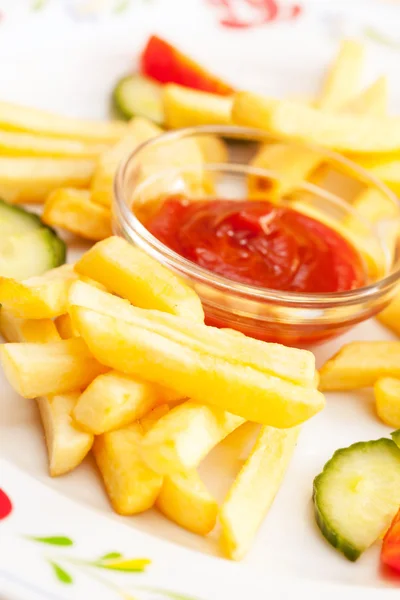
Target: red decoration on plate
[(5, 505), (265, 11)]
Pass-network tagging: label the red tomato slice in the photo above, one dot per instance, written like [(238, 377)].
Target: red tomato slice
[(390, 555), (5, 505)]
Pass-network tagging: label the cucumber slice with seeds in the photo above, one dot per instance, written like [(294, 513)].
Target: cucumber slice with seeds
[(396, 437), (28, 254), (138, 96), (357, 495), (14, 219)]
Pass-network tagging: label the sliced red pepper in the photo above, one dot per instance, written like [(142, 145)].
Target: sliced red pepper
[(390, 555), (165, 63)]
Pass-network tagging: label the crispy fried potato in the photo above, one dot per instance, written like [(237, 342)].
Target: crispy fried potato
[(20, 118), (65, 327), (114, 400), (74, 211), (289, 363), (35, 369), (130, 484), (14, 329), (343, 77), (180, 440), (185, 107), (30, 180), (389, 172), (138, 131), (26, 144), (237, 388), (372, 101), (360, 364), (343, 132), (67, 445), (42, 297), (390, 316), (185, 500), (255, 488), (132, 274), (213, 148), (387, 399)]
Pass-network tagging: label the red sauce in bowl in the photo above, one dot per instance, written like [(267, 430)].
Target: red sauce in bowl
[(260, 244)]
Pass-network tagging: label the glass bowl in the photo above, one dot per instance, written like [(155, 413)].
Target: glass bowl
[(166, 166)]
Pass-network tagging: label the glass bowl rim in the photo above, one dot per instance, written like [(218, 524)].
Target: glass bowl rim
[(200, 274)]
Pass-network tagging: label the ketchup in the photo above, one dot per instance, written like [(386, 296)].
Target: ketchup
[(260, 244)]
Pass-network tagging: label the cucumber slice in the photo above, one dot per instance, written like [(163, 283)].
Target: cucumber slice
[(396, 437), (28, 254), (357, 495), (138, 96), (14, 219)]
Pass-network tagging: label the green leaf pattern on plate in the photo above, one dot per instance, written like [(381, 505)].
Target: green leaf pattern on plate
[(59, 540), (62, 575)]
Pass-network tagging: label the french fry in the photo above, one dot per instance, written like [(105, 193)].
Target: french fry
[(14, 117), (388, 171), (65, 328), (292, 364), (138, 131), (14, 329), (390, 316), (343, 132), (343, 77), (185, 500), (30, 180), (73, 210), (26, 144), (185, 107), (42, 297), (114, 400), (254, 489), (213, 148), (132, 274), (181, 439), (387, 400), (66, 444), (360, 364), (372, 101), (35, 369), (237, 388), (131, 486)]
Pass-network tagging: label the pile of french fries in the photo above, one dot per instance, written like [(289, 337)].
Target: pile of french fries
[(116, 352)]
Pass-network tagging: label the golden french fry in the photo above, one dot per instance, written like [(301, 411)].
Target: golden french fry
[(389, 172), (343, 77), (213, 148), (114, 400), (292, 364), (342, 132), (35, 369), (390, 316), (360, 237), (131, 486), (66, 444), (255, 488), (14, 329), (30, 180), (14, 117), (372, 101), (360, 364), (42, 297), (132, 274), (387, 399), (185, 107), (65, 327), (237, 388), (185, 500), (181, 439), (74, 211), (138, 131), (26, 144)]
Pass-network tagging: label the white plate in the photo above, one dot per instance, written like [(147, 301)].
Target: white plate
[(72, 69)]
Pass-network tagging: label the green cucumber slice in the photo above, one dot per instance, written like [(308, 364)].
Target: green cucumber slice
[(138, 96), (28, 254), (357, 495), (396, 437), (14, 219)]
